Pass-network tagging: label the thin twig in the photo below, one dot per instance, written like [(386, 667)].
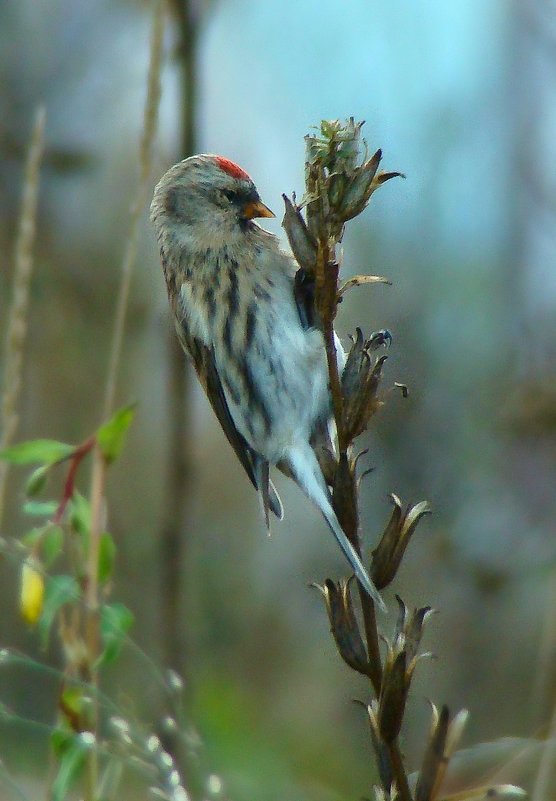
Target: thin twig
[(150, 121), (147, 138), (17, 319)]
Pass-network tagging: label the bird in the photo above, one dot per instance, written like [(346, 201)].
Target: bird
[(259, 359)]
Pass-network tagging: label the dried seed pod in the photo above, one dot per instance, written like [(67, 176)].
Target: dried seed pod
[(393, 697), (360, 382), (389, 552), (399, 665), (443, 739), (384, 762), (302, 243), (362, 186), (343, 624), (337, 184)]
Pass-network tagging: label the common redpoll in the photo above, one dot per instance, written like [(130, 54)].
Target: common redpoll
[(263, 368)]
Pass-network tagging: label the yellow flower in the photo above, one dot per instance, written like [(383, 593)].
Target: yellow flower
[(32, 591)]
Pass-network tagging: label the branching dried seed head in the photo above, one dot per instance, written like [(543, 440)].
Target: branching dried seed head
[(333, 173), (401, 660), (339, 180)]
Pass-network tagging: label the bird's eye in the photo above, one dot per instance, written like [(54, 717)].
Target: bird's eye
[(230, 194)]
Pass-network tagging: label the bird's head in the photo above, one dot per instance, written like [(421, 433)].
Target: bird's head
[(204, 199)]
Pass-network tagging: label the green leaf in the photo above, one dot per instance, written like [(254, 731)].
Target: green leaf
[(32, 537), (52, 544), (106, 557), (80, 515), (72, 762), (36, 481), (37, 451), (60, 590), (74, 705), (61, 739), (51, 539), (111, 435), (40, 508), (115, 621)]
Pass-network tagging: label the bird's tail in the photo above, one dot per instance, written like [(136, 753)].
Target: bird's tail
[(308, 476), (270, 500), (351, 555)]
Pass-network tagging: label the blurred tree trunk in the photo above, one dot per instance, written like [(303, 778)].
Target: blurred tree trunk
[(178, 484), (534, 95), (532, 410)]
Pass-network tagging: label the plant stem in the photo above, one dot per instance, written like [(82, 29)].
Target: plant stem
[(398, 771), (371, 637), (345, 485), (98, 473), (17, 315), (150, 120), (92, 622)]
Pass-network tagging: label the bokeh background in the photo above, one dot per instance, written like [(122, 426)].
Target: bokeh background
[(461, 98)]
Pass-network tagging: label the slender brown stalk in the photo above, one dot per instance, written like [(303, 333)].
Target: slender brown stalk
[(345, 500), (17, 316), (324, 230), (150, 121), (99, 467), (98, 473)]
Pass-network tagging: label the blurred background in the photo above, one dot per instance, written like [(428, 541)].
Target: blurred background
[(461, 98)]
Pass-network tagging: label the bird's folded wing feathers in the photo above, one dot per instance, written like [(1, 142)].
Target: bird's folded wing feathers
[(304, 296), (205, 366)]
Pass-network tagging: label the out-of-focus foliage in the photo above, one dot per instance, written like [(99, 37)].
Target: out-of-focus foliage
[(460, 96)]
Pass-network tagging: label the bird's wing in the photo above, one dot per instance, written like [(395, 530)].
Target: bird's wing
[(254, 465), (304, 295)]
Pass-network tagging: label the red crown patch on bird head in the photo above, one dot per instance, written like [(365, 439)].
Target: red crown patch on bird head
[(232, 169)]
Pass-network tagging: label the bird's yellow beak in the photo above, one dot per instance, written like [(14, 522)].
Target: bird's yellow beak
[(256, 208)]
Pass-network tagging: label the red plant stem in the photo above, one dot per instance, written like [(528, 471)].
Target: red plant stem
[(76, 458)]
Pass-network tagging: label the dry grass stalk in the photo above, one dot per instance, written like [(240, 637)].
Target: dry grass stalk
[(150, 123), (17, 317), (150, 120), (98, 473)]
